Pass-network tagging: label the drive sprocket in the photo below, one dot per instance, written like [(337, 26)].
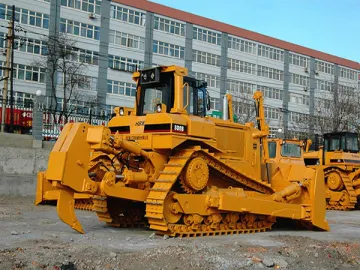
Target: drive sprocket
[(195, 176)]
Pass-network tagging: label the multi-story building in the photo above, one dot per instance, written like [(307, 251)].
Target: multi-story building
[(115, 37)]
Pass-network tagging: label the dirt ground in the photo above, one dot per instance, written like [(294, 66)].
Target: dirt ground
[(33, 237)]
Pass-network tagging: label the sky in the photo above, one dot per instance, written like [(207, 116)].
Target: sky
[(330, 26)]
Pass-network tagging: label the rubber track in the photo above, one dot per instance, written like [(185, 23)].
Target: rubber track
[(168, 177), (349, 188)]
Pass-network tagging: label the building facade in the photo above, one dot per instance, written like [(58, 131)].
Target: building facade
[(116, 37)]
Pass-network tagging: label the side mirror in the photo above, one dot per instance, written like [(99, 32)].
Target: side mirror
[(207, 100)]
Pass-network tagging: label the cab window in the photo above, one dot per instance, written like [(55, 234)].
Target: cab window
[(290, 150), (272, 149), (352, 143), (196, 101)]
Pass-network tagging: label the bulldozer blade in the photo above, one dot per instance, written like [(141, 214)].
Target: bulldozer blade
[(66, 211), (318, 216)]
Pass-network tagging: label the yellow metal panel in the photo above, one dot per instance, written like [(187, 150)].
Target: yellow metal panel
[(57, 162), (260, 206), (166, 141), (119, 191)]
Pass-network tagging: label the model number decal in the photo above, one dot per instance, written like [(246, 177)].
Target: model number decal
[(179, 128), (137, 138), (140, 123)]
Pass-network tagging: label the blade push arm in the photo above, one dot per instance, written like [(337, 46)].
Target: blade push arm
[(262, 126)]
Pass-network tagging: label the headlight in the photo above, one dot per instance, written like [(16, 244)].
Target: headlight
[(158, 108), (121, 111)]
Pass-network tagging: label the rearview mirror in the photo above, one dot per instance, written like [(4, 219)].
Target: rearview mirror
[(207, 100)]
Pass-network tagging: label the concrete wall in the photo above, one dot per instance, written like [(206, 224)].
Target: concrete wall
[(19, 164)]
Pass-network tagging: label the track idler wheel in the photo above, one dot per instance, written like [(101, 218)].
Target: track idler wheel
[(195, 175), (345, 199), (334, 181), (170, 213)]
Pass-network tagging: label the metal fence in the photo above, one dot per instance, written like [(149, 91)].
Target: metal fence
[(52, 123)]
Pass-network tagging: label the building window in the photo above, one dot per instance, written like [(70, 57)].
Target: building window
[(298, 117), (241, 45), (271, 113), (323, 85), (3, 40), (239, 87), (169, 26), (92, 6), (347, 90), (126, 40), (270, 92), (324, 67), (206, 58), (206, 36), (168, 49), (86, 56), (244, 110), (273, 133), (27, 45), (83, 82), (21, 99), (127, 15), (271, 53), (33, 46), (214, 104), (121, 88), (298, 60), (212, 80), (124, 64), (29, 73), (79, 29), (241, 66), (299, 79), (348, 74), (270, 73), (299, 99), (25, 16)]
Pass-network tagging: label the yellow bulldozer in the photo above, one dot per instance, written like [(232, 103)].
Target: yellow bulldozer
[(339, 157), (180, 172)]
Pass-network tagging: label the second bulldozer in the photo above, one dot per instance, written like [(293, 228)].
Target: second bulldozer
[(339, 157), (169, 166)]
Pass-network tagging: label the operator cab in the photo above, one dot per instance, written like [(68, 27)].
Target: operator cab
[(166, 90), (285, 150), (341, 141)]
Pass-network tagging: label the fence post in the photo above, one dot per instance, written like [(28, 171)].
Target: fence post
[(37, 123)]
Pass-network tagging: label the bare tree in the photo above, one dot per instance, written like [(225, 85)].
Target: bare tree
[(334, 110), (337, 110), (298, 125), (65, 68), (244, 108)]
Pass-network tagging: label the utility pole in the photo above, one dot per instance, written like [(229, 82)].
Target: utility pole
[(12, 71), (6, 75)]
